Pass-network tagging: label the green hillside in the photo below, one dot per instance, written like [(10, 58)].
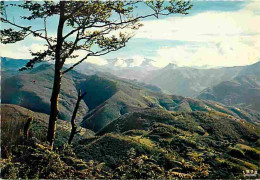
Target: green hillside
[(11, 64), (221, 143), (32, 89), (211, 123), (131, 98), (152, 143), (13, 119)]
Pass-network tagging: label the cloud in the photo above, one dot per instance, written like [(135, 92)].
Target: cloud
[(97, 60), (120, 62), (253, 6), (137, 60), (222, 38), (204, 27), (19, 50), (230, 52)]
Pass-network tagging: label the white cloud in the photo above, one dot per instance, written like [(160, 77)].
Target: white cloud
[(19, 50), (231, 52), (120, 62), (253, 6), (97, 60), (203, 27), (137, 60), (224, 38)]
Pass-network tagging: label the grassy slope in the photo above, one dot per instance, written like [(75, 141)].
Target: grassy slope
[(226, 144), (13, 119), (213, 123), (195, 144)]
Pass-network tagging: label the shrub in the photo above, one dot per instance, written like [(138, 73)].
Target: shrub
[(251, 153), (35, 162), (236, 153)]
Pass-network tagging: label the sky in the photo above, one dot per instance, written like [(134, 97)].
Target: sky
[(214, 34)]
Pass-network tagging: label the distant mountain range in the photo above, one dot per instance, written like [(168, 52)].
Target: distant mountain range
[(187, 81), (193, 82), (120, 68), (12, 64), (183, 81), (108, 97), (242, 91)]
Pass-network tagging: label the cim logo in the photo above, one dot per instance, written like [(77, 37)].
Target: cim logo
[(250, 173)]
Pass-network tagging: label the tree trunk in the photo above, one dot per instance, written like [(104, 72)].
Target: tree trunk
[(54, 111), (72, 133), (73, 124), (54, 108), (27, 127)]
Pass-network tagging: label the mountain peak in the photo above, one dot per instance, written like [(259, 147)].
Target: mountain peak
[(171, 66)]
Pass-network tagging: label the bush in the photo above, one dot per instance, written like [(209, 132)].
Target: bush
[(236, 153), (35, 162), (252, 154)]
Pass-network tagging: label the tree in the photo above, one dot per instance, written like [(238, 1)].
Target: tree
[(73, 124), (95, 27)]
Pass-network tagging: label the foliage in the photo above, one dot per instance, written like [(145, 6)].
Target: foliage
[(13, 119), (151, 143), (31, 162)]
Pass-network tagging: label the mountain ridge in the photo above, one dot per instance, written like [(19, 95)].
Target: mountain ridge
[(241, 91), (108, 97)]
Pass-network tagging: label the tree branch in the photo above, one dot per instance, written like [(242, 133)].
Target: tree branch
[(73, 66), (91, 54), (46, 34), (24, 28)]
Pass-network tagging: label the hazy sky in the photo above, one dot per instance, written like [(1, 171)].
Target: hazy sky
[(215, 33)]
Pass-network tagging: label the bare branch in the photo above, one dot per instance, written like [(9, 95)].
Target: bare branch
[(46, 34), (73, 66), (124, 22), (82, 96), (77, 29)]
